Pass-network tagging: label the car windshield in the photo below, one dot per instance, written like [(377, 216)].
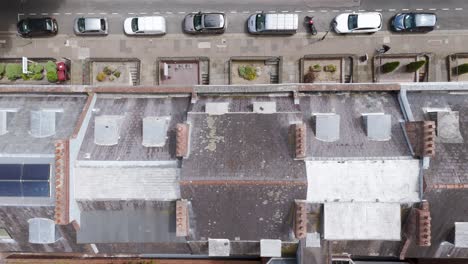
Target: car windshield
[(103, 25), (409, 21), (24, 27), (260, 22), (197, 22), (48, 24), (352, 21), (135, 24), (81, 24)]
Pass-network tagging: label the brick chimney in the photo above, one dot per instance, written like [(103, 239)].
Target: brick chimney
[(182, 134), (300, 219), (424, 225), (61, 182), (421, 136), (182, 218), (300, 140)]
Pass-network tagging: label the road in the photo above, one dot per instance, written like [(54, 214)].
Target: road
[(451, 13)]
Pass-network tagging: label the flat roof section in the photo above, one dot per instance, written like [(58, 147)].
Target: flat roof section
[(363, 180), (362, 221)]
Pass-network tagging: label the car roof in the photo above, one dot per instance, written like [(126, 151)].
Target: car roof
[(38, 24), (92, 23), (152, 23), (369, 20), (425, 20), (213, 20)]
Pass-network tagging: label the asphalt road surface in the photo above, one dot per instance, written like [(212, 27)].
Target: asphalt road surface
[(451, 13)]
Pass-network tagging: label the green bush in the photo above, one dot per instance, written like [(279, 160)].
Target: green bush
[(50, 66), (315, 68), (36, 68), (117, 74), (25, 76), (390, 66), (2, 70), (52, 76), (247, 72), (37, 76), (13, 71), (108, 70), (329, 68), (462, 69), (101, 76), (415, 65)]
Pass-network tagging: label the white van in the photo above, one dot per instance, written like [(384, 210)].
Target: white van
[(273, 23), (151, 25)]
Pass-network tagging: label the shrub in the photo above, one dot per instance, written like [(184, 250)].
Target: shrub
[(315, 68), (390, 66), (309, 77), (462, 69), (13, 71), (415, 65), (38, 76), (25, 76), (50, 66), (2, 70), (52, 76), (108, 70), (36, 68), (247, 72), (101, 76), (329, 68), (117, 74)]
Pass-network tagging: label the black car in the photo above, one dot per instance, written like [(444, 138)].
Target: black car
[(414, 22), (34, 27)]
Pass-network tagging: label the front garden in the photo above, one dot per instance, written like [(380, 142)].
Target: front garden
[(254, 70), (401, 68), (326, 69), (38, 73)]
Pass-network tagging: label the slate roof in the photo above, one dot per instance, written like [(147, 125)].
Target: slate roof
[(244, 103), (242, 147), (127, 222), (353, 141), (450, 164), (18, 140), (134, 109)]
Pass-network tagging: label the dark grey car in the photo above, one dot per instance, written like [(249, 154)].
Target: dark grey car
[(90, 26), (205, 23), (414, 22)]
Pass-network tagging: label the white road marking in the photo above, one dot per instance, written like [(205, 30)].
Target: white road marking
[(336, 11), (405, 9), (169, 12), (90, 13), (79, 13), (392, 10), (378, 10), (103, 13), (298, 11), (245, 12), (44, 14), (156, 13), (32, 14), (272, 11), (362, 10), (258, 11), (233, 12), (349, 10), (131, 13), (419, 9), (433, 9), (284, 11), (142, 13), (181, 12), (445, 9), (115, 13), (311, 11), (458, 8), (55, 14), (323, 11), (68, 14)]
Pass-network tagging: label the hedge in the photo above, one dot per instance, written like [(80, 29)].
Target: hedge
[(462, 69), (415, 65), (390, 66), (52, 76), (14, 71)]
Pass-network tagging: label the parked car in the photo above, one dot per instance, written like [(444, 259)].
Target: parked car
[(34, 27), (205, 23), (272, 23), (366, 22), (90, 26), (414, 22), (150, 25)]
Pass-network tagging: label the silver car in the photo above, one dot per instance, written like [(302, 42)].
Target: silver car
[(91, 26), (205, 23)]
